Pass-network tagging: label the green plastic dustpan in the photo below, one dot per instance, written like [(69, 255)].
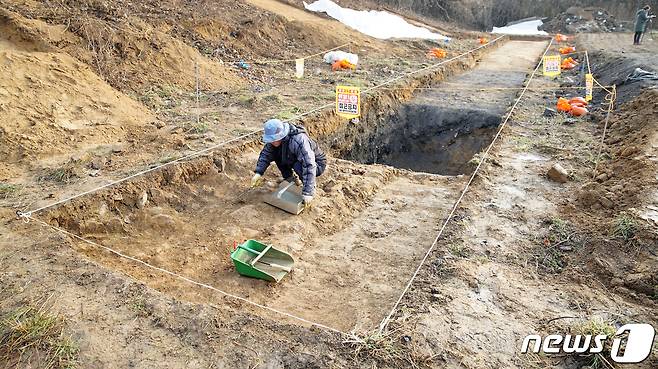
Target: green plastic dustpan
[(256, 260)]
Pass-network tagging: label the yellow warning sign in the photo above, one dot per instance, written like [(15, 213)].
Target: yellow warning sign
[(348, 101), (552, 65), (589, 86)]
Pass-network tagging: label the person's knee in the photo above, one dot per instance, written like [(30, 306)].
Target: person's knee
[(322, 167)]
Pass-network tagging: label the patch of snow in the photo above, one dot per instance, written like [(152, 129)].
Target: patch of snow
[(378, 24), (523, 28)]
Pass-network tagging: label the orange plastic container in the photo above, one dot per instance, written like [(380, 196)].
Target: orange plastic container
[(578, 111), (561, 38), (569, 60), (567, 50), (568, 65), (578, 100)]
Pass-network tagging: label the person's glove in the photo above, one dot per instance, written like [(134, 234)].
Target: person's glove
[(307, 201), (256, 181)]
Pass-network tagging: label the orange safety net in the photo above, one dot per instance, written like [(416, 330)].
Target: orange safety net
[(567, 50), (438, 53), (342, 64), (561, 38)]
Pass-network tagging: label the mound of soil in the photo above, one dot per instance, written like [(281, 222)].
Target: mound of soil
[(576, 20), (623, 244), (161, 42), (52, 102), (121, 51), (622, 182)]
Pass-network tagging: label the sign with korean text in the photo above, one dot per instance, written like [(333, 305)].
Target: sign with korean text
[(348, 101), (552, 65), (589, 86)]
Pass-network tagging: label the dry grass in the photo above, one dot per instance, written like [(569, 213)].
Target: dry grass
[(625, 229), (558, 238), (596, 326), (459, 250), (67, 173), (288, 113), (8, 189), (390, 346), (34, 337)]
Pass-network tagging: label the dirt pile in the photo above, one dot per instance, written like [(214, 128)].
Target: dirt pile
[(577, 20), (161, 42), (610, 206), (52, 102), (119, 52), (622, 181), (619, 69)]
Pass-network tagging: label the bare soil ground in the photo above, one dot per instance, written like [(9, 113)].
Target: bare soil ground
[(524, 250), (618, 43), (522, 254), (376, 217), (163, 120)]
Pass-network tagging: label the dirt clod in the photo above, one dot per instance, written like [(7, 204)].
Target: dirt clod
[(558, 174), (220, 163)]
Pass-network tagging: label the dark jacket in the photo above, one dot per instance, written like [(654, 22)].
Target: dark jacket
[(641, 20), (296, 147)]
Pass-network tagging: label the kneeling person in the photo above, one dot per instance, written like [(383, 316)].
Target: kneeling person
[(292, 150)]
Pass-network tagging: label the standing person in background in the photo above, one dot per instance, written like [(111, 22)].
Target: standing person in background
[(641, 21)]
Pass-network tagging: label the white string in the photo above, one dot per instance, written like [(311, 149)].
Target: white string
[(27, 216), (611, 106), (213, 147), (386, 320), (276, 61), (112, 183), (433, 66), (186, 279)]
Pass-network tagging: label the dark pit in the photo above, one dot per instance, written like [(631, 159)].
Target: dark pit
[(427, 138)]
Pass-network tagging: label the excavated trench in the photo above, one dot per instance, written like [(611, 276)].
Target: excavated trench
[(427, 138), (359, 243)]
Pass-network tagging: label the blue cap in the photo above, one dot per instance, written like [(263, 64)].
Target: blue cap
[(275, 130)]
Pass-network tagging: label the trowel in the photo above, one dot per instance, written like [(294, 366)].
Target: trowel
[(288, 197)]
